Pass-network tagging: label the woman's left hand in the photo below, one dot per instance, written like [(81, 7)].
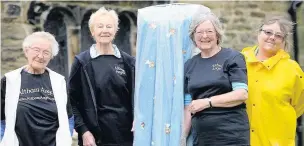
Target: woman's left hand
[(198, 105)]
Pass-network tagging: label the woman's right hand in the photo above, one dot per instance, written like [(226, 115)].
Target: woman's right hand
[(88, 139), (183, 141)]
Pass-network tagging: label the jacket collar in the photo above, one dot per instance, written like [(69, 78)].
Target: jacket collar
[(270, 62), (94, 53)]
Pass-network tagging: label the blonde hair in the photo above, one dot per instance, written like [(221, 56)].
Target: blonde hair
[(100, 12), (286, 27), (32, 38)]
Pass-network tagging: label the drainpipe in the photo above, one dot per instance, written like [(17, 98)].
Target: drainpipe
[(294, 5)]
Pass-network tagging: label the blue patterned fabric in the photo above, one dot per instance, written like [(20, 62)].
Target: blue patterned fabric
[(2, 129), (163, 45), (71, 125)]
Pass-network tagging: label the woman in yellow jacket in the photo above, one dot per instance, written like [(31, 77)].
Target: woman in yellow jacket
[(275, 85)]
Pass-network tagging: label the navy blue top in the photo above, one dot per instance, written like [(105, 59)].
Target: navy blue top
[(113, 98), (37, 115), (36, 120), (207, 77), (83, 93)]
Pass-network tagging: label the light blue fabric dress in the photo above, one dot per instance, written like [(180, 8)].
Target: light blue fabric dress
[(163, 45)]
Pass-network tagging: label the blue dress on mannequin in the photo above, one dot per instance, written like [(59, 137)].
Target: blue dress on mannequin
[(163, 46)]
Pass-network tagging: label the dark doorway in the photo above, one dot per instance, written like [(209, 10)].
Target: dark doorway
[(122, 39), (55, 25), (86, 37)]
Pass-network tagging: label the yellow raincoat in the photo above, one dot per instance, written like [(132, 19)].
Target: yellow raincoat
[(276, 98)]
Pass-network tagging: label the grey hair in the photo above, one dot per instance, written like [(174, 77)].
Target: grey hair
[(286, 27), (103, 11), (32, 38), (202, 17)]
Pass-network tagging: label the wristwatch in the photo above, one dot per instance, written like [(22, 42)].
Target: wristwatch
[(210, 104)]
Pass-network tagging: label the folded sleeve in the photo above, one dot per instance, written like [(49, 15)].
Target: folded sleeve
[(188, 99), (237, 85)]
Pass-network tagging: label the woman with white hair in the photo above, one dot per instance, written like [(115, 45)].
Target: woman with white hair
[(101, 86), (34, 103), (215, 88)]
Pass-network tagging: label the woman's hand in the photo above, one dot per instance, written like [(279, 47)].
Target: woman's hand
[(88, 139), (183, 141), (198, 105), (132, 129)]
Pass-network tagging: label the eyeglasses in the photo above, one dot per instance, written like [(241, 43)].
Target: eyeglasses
[(208, 32), (45, 53), (270, 33)]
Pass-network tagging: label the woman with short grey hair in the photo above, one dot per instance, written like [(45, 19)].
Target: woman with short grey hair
[(34, 104), (198, 19), (215, 88), (101, 86)]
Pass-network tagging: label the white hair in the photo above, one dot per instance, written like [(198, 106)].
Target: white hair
[(32, 38), (202, 17), (100, 12)]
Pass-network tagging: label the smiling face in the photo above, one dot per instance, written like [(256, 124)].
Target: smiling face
[(39, 54), (104, 29), (271, 38), (205, 36)]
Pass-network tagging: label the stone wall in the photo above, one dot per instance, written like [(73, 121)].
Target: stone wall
[(300, 29), (240, 20), (15, 24), (13, 30)]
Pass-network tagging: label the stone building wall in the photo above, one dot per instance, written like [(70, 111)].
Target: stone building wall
[(240, 21), (300, 34), (15, 24), (14, 28)]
